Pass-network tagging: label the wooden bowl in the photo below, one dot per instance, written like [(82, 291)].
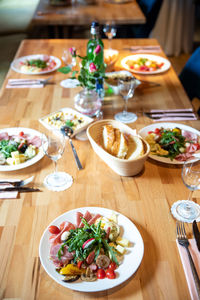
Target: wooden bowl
[(123, 167)]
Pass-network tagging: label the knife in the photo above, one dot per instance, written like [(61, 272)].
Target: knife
[(20, 189), (196, 234)]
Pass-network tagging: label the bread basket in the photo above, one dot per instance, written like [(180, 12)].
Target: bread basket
[(123, 167)]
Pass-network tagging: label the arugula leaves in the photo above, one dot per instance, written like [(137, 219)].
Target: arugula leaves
[(7, 146), (39, 63), (77, 238)]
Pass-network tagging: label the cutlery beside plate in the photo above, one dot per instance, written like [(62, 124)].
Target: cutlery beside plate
[(171, 115)]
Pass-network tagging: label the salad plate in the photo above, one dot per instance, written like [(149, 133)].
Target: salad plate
[(145, 64), (27, 131), (127, 268), (53, 63), (144, 133)]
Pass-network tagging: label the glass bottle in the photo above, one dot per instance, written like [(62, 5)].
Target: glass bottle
[(95, 40)]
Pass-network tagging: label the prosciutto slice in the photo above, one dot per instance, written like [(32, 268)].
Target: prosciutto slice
[(190, 136), (79, 215), (65, 258), (4, 136), (56, 238), (94, 218), (35, 141), (87, 216)]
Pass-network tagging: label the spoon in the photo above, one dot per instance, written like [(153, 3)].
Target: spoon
[(68, 131)]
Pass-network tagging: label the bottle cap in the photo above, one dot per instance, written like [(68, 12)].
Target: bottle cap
[(94, 27)]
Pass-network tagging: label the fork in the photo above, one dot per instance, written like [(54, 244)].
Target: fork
[(29, 81), (183, 241), (20, 182)]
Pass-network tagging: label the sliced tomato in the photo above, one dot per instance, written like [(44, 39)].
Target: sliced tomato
[(101, 274), (54, 229), (149, 132), (112, 266), (157, 131), (110, 274), (79, 264)]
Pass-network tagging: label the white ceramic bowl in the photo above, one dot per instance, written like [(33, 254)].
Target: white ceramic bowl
[(123, 167)]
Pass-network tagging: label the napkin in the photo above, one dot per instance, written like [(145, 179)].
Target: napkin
[(24, 83), (7, 195), (186, 265), (144, 49)]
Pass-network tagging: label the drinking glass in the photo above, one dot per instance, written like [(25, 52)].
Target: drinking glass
[(110, 31), (187, 210), (53, 144), (126, 90), (68, 59)]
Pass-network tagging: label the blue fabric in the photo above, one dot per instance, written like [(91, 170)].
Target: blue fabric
[(150, 9), (190, 75)]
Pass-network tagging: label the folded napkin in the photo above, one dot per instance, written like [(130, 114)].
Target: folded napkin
[(144, 49), (171, 110), (176, 118), (186, 265), (7, 195), (24, 83)]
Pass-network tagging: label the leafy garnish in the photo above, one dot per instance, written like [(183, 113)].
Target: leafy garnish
[(39, 63), (69, 123)]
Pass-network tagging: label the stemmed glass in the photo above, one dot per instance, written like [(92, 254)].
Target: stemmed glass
[(110, 31), (187, 210), (53, 144), (126, 89), (68, 59)]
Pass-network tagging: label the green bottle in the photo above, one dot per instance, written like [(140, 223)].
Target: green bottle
[(96, 56)]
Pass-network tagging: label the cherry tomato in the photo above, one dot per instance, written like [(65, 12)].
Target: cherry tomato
[(54, 229), (149, 132), (79, 264), (112, 266), (110, 274), (157, 131), (101, 274), (21, 133)]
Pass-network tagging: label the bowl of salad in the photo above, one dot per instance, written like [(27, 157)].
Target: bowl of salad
[(84, 249), (171, 142), (36, 64), (19, 148), (145, 64)]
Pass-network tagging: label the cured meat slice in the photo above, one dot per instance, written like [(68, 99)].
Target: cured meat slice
[(79, 215), (56, 239), (65, 258), (87, 216), (190, 136), (4, 136), (35, 141), (94, 218), (183, 156)]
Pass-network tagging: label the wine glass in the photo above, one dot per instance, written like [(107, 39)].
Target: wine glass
[(110, 31), (187, 210), (68, 59), (53, 144), (126, 89)]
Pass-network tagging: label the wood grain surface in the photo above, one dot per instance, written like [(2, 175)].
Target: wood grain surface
[(79, 14), (145, 199)]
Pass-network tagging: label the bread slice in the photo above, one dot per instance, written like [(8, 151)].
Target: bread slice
[(136, 148), (108, 137)]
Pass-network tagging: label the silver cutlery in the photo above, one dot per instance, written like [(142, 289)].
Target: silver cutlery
[(19, 183), (68, 132), (177, 110), (28, 81), (20, 189), (183, 241)]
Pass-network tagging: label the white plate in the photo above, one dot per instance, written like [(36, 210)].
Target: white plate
[(30, 162), (16, 66), (156, 58), (144, 132), (130, 264), (87, 120)]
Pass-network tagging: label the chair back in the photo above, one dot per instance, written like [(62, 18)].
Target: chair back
[(190, 75)]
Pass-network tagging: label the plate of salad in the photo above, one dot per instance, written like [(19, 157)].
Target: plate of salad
[(171, 143), (91, 249), (19, 148), (36, 64), (145, 64)]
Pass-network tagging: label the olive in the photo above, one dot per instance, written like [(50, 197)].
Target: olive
[(23, 148)]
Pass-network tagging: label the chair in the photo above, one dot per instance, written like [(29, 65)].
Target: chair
[(190, 77), (150, 9)]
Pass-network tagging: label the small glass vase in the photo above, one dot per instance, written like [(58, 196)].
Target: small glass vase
[(88, 102)]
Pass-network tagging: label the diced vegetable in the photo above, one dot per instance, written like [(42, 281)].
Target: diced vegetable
[(122, 241)]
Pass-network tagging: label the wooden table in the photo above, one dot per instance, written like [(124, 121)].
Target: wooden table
[(101, 11), (145, 199)]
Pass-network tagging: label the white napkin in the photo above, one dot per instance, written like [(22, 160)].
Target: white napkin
[(186, 265), (24, 83), (7, 195)]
